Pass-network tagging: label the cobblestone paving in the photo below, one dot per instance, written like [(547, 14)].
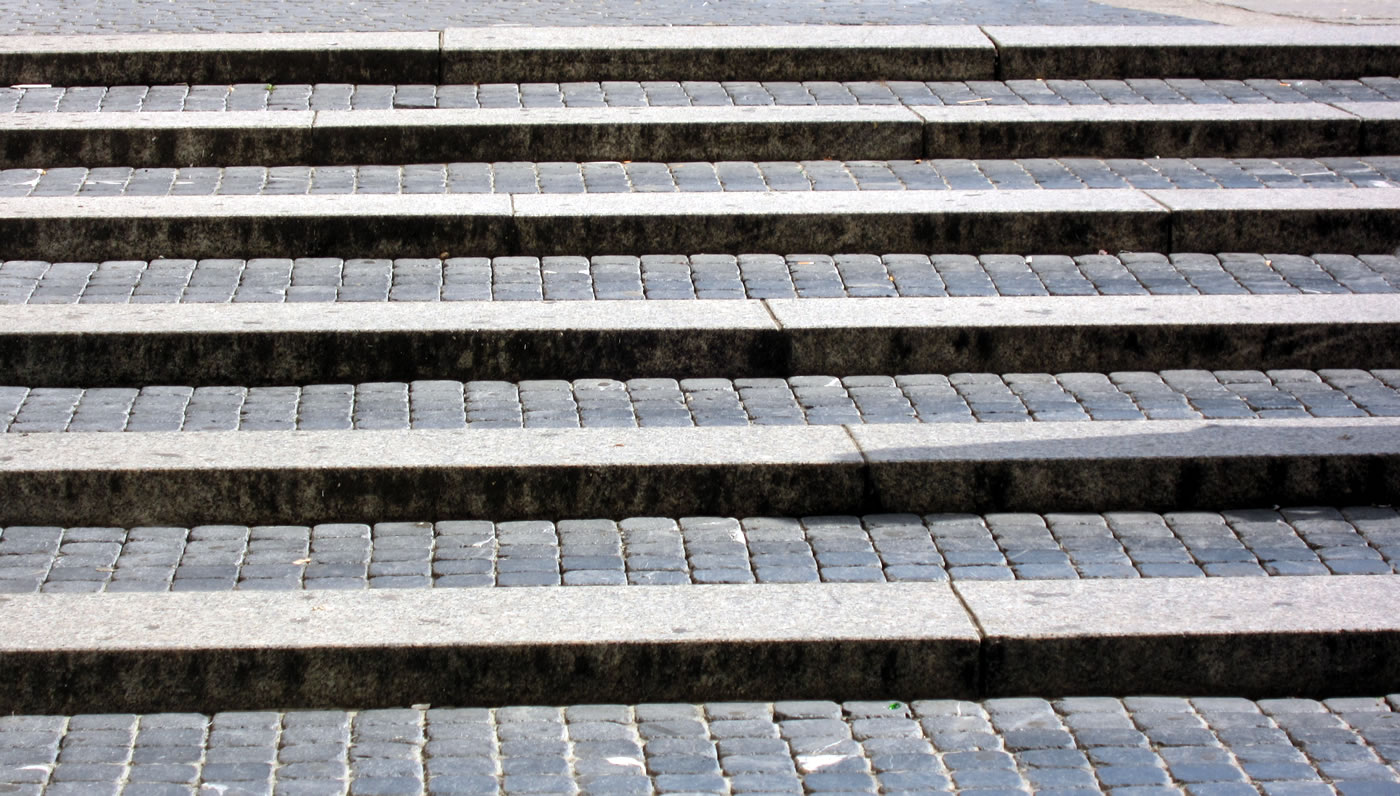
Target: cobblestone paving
[(676, 277), (771, 176), (254, 16), (652, 403), (1138, 745), (331, 96), (660, 551)]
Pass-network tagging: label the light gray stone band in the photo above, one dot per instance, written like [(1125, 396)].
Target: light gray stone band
[(513, 54), (280, 344), (1052, 222), (174, 652), (665, 134), (368, 476), (1087, 52)]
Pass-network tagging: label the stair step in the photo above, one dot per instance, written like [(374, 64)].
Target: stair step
[(887, 745), (680, 134), (331, 476), (800, 400), (786, 177), (323, 96), (184, 652), (146, 227), (657, 551), (681, 277), (807, 52), (279, 344)]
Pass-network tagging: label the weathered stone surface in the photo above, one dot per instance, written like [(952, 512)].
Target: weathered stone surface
[(1085, 52), (463, 647), (797, 52), (115, 60), (1236, 637)]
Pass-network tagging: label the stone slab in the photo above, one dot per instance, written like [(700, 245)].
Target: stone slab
[(1303, 221), (834, 221), (250, 477), (788, 52), (222, 58), (1235, 53), (279, 344), (368, 476), (246, 651), (140, 140), (1250, 637), (366, 225), (1050, 334), (1380, 126), (1109, 131), (1162, 465), (661, 134), (360, 225)]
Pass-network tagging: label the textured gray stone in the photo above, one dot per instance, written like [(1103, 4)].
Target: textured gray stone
[(282, 344), (51, 140), (265, 225), (1109, 131), (964, 221), (154, 478), (473, 647), (115, 60), (1095, 333), (1316, 220), (1168, 464), (1105, 51), (616, 134), (1380, 130), (1233, 637), (236, 138), (799, 52), (410, 225)]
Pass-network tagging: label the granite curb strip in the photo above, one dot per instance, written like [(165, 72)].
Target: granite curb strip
[(277, 344), (660, 134), (1333, 220), (830, 641), (971, 222), (1240, 637), (495, 224), (1106, 51), (511, 54), (475, 135), (369, 476)]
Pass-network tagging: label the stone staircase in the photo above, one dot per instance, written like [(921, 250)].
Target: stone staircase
[(701, 410)]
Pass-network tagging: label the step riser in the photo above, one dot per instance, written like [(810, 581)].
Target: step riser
[(372, 476), (496, 55), (972, 222), (259, 345), (821, 641), (266, 138)]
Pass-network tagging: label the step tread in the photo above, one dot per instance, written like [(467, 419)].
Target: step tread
[(734, 176), (346, 96), (801, 400), (680, 277), (785, 747), (1316, 541), (377, 475), (1213, 636)]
